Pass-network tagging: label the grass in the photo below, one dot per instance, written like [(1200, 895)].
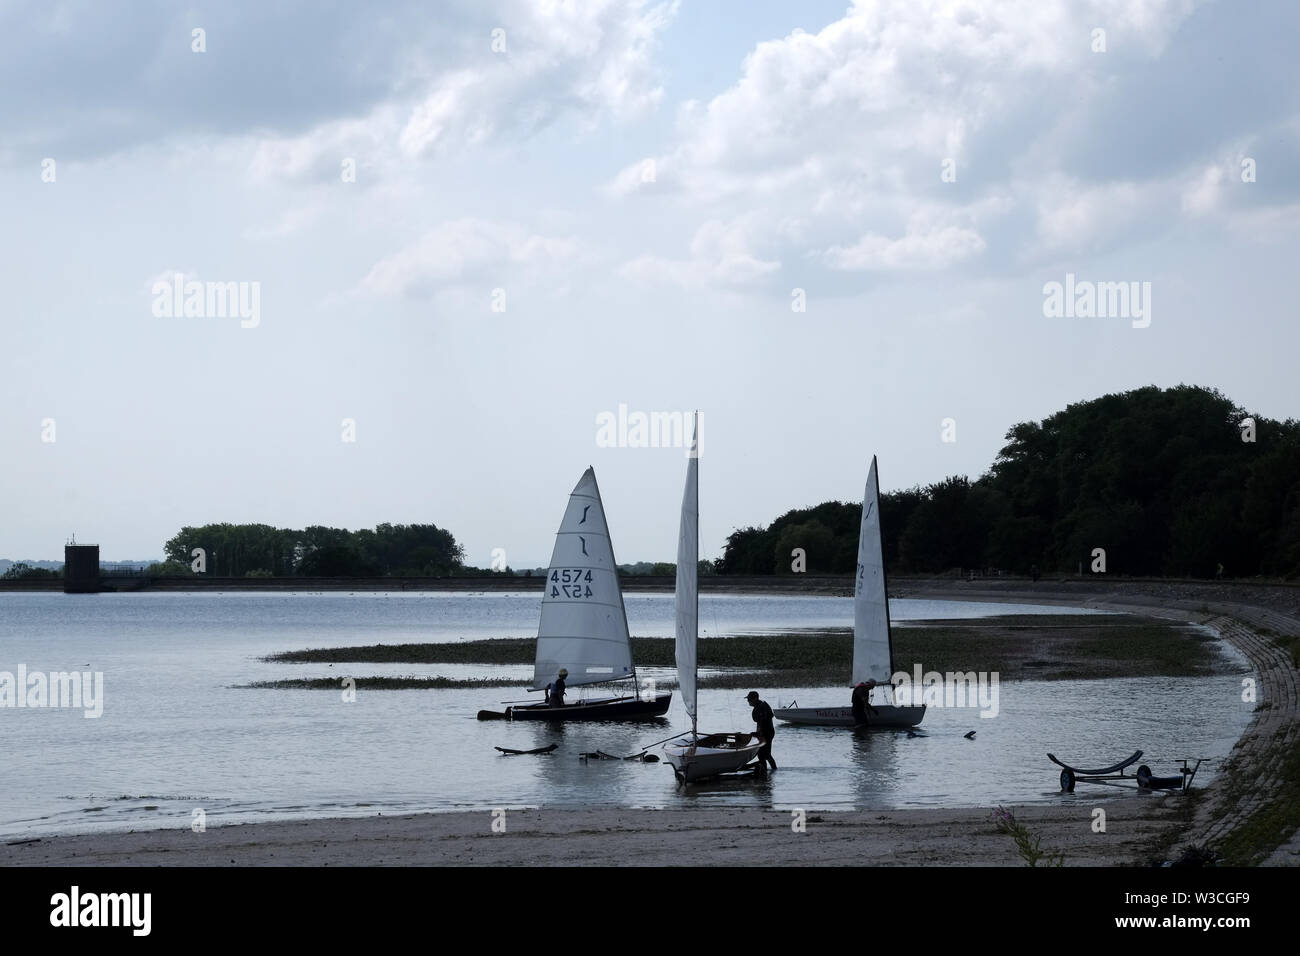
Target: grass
[(1024, 647), (379, 683), (1266, 828), (747, 680), (1159, 848), (1292, 646), (1251, 841), (1027, 845)]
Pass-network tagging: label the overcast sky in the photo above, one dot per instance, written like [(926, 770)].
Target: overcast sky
[(643, 188)]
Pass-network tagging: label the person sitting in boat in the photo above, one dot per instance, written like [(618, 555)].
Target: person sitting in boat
[(862, 702), (764, 730), (556, 698)]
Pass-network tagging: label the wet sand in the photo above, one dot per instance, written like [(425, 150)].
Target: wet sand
[(624, 837)]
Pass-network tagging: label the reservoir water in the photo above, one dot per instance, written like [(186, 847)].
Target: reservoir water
[(177, 735)]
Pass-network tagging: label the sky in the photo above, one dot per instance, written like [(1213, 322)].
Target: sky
[(466, 233)]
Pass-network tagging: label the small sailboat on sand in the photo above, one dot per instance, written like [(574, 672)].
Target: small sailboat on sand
[(694, 756), (583, 633), (873, 649)]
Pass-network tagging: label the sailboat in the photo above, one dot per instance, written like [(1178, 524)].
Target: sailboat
[(694, 756), (583, 628), (873, 650)]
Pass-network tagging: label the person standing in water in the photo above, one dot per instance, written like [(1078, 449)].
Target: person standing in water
[(862, 703), (557, 689), (764, 728)]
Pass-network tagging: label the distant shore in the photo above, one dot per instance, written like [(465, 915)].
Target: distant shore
[(792, 584), (1064, 588)]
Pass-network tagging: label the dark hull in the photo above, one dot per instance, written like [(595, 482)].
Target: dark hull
[(606, 708), (886, 716)]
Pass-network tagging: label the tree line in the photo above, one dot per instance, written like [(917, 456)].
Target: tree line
[(1176, 482), (259, 550)]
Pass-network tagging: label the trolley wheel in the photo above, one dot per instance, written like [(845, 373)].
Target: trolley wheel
[(1144, 777), (1067, 781)]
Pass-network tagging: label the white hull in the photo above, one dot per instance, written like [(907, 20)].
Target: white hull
[(710, 755), (886, 716)]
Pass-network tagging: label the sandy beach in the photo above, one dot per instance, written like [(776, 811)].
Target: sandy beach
[(1139, 828), (623, 837)]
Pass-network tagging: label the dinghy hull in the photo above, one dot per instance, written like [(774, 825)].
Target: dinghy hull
[(886, 717), (710, 755), (605, 708)]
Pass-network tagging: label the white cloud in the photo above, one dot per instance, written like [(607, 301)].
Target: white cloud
[(719, 254), (593, 60), (851, 125), (1073, 215), (930, 249), (464, 248), (1202, 194)]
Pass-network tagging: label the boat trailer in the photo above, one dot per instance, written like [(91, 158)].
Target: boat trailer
[(1144, 779)]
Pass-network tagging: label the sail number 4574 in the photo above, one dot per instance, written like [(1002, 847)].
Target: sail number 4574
[(571, 582)]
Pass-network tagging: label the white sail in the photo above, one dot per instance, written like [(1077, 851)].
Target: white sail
[(871, 649), (583, 625), (687, 591)]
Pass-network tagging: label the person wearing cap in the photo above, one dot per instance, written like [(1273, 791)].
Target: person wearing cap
[(557, 689), (862, 702), (764, 729)]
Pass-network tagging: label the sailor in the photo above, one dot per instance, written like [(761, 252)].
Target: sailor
[(862, 702), (557, 689), (764, 729)]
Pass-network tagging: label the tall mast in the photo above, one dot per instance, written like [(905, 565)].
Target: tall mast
[(695, 566), (884, 576)]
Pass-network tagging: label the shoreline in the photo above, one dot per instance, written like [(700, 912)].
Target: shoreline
[(776, 584), (1139, 827)]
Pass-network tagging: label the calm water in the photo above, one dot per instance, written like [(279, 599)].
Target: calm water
[(175, 735)]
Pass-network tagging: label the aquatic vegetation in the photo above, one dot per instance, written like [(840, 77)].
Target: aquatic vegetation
[(378, 683), (1053, 647)]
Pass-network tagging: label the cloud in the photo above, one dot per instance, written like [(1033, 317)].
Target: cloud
[(719, 254), (828, 143), (591, 60), (303, 84), (930, 249), (1073, 215), (462, 250), (1202, 195)]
